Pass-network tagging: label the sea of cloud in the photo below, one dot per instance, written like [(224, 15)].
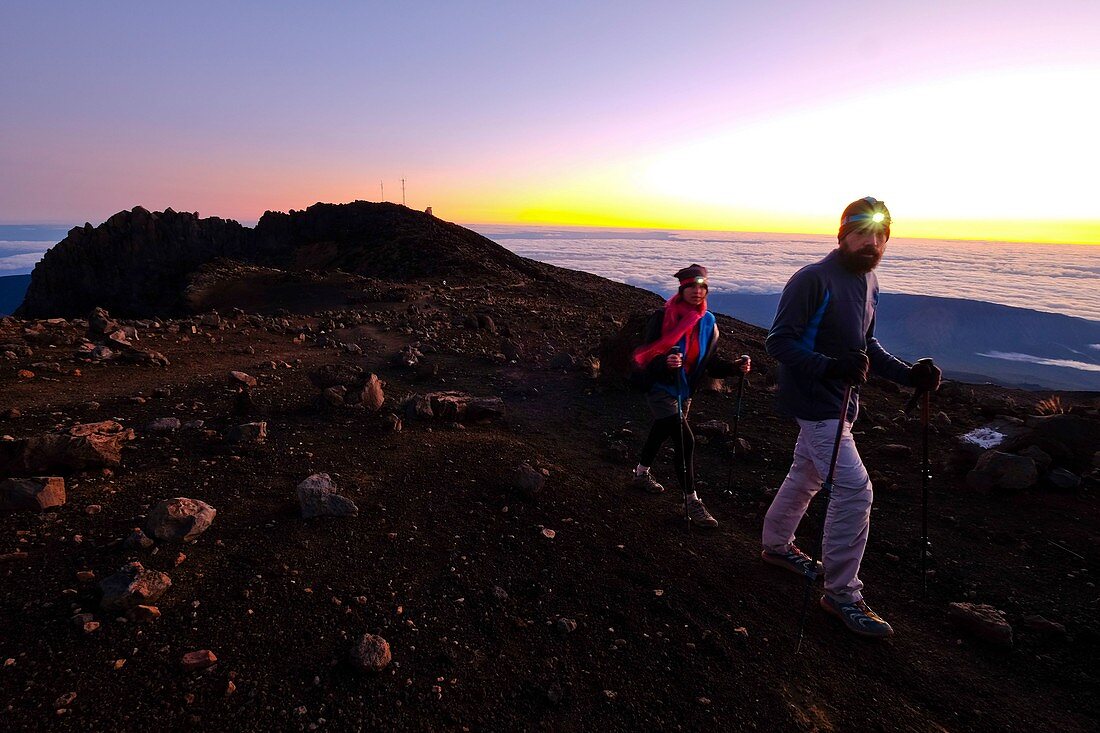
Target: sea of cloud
[(1048, 277)]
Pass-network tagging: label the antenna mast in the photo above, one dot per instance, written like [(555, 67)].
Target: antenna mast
[(382, 188), (402, 191)]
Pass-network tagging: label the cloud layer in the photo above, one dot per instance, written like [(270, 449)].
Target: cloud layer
[(1054, 278)]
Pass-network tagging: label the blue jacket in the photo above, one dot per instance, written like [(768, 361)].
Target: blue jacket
[(824, 312), (676, 382)]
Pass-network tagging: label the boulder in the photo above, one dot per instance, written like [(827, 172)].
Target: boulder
[(529, 481), (712, 428), (132, 586), (318, 498), (336, 375), (370, 396), (179, 520), (1077, 433), (1041, 457), (34, 494), (1062, 480), (91, 445), (1003, 471), (241, 380), (253, 432), (983, 621), (371, 654), (164, 425), (461, 407)]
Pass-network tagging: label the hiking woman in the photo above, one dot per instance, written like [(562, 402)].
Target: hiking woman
[(680, 348)]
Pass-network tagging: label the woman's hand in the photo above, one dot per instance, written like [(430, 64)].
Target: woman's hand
[(675, 360), (745, 364)]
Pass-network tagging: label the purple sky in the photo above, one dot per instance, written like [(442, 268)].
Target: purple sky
[(491, 110)]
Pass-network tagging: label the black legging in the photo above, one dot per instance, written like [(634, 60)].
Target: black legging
[(664, 428)]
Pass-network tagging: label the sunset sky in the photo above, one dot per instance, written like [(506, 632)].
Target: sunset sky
[(971, 120)]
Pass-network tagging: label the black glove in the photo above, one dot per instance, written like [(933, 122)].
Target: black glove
[(925, 376), (852, 368)]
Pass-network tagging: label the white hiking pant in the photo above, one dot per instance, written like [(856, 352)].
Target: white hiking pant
[(849, 518)]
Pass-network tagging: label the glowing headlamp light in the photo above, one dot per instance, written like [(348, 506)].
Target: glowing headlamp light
[(700, 281), (878, 217)]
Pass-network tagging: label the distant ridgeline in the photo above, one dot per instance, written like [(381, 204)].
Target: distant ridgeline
[(972, 340)]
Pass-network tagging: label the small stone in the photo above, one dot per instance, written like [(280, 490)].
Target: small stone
[(119, 664), (371, 654), (1044, 625), (549, 533), (201, 659), (145, 613), (85, 576), (93, 509), (742, 632), (65, 700), (240, 379), (137, 540), (565, 626), (254, 432), (91, 626), (164, 425)]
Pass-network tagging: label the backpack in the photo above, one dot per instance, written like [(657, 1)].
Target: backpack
[(616, 353)]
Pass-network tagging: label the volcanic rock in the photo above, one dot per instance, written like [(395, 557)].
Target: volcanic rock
[(140, 262), (164, 425), (132, 586), (318, 498), (1003, 471), (241, 380), (91, 445), (369, 396), (253, 432), (1060, 479), (34, 494), (194, 661), (371, 654), (179, 520), (984, 621), (529, 481)]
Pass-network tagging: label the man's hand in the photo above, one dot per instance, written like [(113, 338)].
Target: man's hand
[(675, 360), (744, 364), (852, 368), (925, 376)]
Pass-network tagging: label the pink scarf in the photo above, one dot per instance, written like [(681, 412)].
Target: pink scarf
[(680, 317)]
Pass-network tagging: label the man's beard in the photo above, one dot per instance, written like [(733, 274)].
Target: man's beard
[(862, 261)]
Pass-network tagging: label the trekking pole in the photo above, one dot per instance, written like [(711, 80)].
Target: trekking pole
[(736, 420), (827, 488), (680, 425), (925, 476), (922, 397)]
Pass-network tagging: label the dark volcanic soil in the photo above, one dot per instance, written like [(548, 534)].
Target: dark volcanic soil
[(675, 629)]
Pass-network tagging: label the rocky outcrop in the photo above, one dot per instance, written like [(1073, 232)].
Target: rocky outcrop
[(35, 494), (136, 262), (91, 445), (142, 263)]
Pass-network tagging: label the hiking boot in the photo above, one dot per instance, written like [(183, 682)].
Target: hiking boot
[(858, 617), (645, 482), (794, 560), (697, 514)]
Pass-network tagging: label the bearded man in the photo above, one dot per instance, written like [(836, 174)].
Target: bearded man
[(824, 340)]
